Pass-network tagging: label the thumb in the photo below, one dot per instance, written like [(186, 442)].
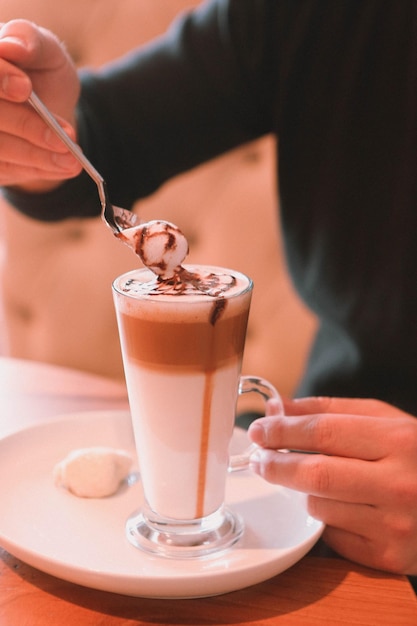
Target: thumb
[(16, 40), (14, 50), (30, 46)]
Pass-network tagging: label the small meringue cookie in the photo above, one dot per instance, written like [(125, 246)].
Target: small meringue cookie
[(93, 472)]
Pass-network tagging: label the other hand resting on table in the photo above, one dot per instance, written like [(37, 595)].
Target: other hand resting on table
[(362, 483)]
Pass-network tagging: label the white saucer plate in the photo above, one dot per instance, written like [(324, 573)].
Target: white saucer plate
[(83, 540)]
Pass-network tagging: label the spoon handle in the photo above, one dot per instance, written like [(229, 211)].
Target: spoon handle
[(74, 148), (115, 217)]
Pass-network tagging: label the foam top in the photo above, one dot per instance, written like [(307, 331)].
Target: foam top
[(199, 285)]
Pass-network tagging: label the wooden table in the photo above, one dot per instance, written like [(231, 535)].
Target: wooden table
[(317, 590)]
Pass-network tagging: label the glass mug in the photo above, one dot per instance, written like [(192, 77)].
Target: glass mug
[(182, 357)]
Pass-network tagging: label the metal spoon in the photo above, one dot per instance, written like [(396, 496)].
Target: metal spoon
[(116, 218)]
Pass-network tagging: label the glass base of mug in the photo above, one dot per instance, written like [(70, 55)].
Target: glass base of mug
[(184, 539)]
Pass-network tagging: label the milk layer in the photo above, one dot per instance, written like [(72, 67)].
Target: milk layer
[(167, 419)]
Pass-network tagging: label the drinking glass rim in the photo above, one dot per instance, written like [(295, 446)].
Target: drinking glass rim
[(172, 297)]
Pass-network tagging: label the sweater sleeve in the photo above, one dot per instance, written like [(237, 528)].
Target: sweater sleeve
[(183, 99)]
